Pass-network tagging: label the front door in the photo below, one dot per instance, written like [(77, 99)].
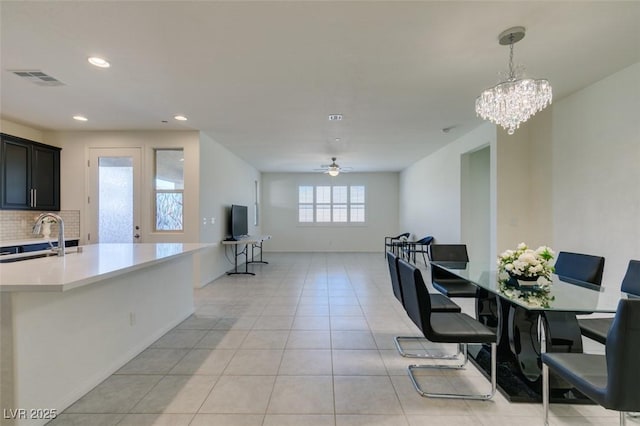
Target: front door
[(114, 195)]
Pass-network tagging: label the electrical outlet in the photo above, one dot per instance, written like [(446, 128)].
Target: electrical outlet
[(204, 220), (213, 220)]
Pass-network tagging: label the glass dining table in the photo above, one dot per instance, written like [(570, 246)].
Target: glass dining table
[(529, 321)]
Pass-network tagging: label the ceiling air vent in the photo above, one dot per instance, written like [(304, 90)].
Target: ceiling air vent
[(38, 77)]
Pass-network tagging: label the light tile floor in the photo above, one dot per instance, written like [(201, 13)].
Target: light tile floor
[(307, 341)]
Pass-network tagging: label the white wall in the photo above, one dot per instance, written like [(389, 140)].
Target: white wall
[(20, 130), (596, 171), (280, 213), (476, 204), (225, 179), (524, 181), (74, 174), (568, 178), (430, 189)]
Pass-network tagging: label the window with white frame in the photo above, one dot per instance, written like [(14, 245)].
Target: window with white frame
[(331, 204)]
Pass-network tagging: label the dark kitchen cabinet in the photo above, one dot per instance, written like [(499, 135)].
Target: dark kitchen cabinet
[(29, 175)]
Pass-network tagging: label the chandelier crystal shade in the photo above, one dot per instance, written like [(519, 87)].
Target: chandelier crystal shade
[(514, 100)]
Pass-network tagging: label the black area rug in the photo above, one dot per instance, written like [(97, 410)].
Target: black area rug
[(516, 388), (513, 387)]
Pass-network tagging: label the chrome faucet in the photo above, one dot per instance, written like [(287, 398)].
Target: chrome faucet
[(60, 222)]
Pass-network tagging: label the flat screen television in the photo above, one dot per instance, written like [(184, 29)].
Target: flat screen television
[(239, 221)]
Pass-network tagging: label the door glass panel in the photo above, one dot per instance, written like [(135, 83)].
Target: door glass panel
[(115, 216), (169, 189)]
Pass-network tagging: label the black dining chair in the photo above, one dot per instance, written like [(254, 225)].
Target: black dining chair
[(597, 328), (439, 303), (394, 244), (578, 268), (610, 380), (442, 327), (420, 246), (444, 281)]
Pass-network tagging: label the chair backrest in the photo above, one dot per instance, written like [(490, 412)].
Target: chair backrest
[(417, 301), (404, 235), (622, 349), (449, 252), (425, 241), (631, 280), (572, 267), (392, 260)]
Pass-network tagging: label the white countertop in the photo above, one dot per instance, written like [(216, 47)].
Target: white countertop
[(96, 262)]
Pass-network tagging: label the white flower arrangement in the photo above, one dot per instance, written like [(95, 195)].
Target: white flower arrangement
[(527, 263)]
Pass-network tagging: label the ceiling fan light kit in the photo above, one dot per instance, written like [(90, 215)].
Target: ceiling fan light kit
[(334, 168)]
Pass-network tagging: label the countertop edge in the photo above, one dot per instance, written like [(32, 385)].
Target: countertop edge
[(82, 282)]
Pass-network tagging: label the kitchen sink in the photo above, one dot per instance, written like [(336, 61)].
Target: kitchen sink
[(36, 255), (31, 256)]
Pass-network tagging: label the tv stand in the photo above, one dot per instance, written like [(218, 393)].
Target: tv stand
[(247, 241)]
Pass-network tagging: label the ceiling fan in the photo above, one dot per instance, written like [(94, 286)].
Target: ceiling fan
[(334, 169)]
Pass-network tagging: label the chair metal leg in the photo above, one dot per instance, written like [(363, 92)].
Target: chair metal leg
[(425, 259), (424, 393), (545, 393), (423, 355)]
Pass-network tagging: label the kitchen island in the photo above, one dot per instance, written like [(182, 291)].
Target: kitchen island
[(67, 323)]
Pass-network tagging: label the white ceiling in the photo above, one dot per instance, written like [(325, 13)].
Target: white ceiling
[(262, 77)]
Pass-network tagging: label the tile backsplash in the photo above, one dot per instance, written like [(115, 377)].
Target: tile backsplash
[(17, 224)]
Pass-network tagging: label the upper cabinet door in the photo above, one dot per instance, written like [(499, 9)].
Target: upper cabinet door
[(45, 178), (16, 179), (29, 175)]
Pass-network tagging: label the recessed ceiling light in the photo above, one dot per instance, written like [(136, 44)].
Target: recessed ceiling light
[(80, 118), (99, 62), (335, 117), (180, 118)]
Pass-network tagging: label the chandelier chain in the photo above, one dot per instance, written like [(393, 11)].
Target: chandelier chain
[(512, 73)]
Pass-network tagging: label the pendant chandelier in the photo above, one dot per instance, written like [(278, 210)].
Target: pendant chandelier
[(514, 100)]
